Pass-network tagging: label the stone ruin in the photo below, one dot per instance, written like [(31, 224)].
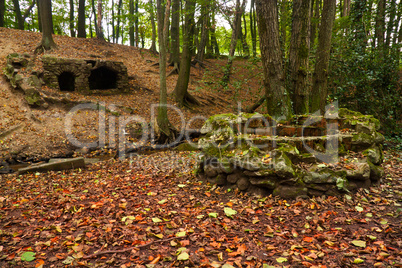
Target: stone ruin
[(305, 156), (64, 74)]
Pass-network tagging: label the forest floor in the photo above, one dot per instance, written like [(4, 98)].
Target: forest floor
[(151, 210)]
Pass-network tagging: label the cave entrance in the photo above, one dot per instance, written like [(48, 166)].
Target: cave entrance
[(67, 81), (102, 78)]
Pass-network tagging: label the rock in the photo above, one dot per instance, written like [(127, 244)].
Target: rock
[(283, 166), (269, 183), (232, 178), (62, 164), (243, 183), (376, 172), (362, 172), (186, 147), (322, 175), (220, 179), (290, 191), (211, 170), (374, 155)]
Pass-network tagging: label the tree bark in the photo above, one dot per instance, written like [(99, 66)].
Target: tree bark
[(95, 18), (204, 31), (390, 26), (233, 42), (253, 29), (277, 98), (380, 24), (182, 97), (72, 27), (18, 15), (299, 55), (137, 38), (2, 12), (81, 19), (152, 17), (131, 29), (165, 133), (315, 22), (47, 42), (284, 18), (246, 48), (175, 36), (99, 32), (320, 77), (118, 21), (214, 42)]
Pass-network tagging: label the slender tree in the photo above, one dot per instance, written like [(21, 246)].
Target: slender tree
[(391, 22), (72, 28), (319, 91), (236, 27), (214, 42), (204, 31), (95, 18), (152, 17), (164, 131), (137, 37), (81, 19), (2, 12), (277, 97), (18, 15), (380, 25), (175, 37), (131, 28), (99, 29), (47, 43), (182, 97)]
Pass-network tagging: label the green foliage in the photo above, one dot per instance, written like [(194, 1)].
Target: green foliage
[(362, 77)]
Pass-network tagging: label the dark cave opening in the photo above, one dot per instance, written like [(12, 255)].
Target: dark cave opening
[(102, 78), (67, 81)]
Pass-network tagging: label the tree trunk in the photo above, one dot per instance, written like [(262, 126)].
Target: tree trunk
[(118, 21), (131, 23), (320, 77), (214, 42), (175, 36), (99, 32), (18, 15), (397, 26), (47, 42), (380, 26), (299, 56), (278, 101), (152, 17), (95, 18), (137, 37), (165, 133), (253, 30), (72, 27), (346, 8), (246, 49), (233, 42), (314, 22), (284, 18), (204, 32), (390, 26), (2, 12), (182, 97), (81, 19)]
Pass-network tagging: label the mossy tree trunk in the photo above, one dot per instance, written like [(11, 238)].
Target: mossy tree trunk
[(164, 130), (182, 97), (299, 52), (319, 91), (277, 97), (47, 43)]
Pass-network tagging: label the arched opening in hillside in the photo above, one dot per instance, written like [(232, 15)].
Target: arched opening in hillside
[(102, 78), (66, 81)]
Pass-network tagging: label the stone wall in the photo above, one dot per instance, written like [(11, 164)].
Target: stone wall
[(305, 156), (81, 71)]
